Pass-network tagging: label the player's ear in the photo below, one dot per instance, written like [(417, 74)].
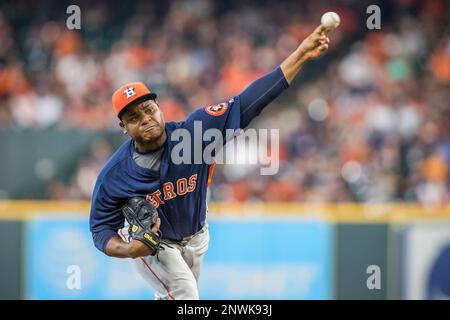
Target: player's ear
[(122, 125), (162, 117)]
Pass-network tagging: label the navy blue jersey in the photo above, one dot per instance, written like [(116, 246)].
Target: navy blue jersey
[(178, 191)]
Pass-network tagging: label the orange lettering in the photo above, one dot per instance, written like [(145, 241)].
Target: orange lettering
[(192, 183), (155, 199), (169, 191), (156, 195), (150, 198), (182, 186)]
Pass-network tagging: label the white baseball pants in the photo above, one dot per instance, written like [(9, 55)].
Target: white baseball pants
[(175, 272)]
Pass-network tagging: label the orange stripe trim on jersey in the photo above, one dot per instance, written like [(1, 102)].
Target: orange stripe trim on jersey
[(210, 174)]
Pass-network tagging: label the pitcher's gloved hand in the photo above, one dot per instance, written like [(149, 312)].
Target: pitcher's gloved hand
[(142, 217)]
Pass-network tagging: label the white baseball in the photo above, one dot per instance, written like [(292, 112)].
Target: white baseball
[(330, 20)]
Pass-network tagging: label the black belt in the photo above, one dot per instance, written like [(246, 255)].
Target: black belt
[(185, 240)]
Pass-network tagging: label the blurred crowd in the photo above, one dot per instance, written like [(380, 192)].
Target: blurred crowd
[(370, 125)]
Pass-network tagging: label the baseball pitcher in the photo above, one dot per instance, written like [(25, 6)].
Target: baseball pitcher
[(149, 208)]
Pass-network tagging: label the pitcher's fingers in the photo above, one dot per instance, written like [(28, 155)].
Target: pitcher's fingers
[(323, 47), (317, 38), (155, 227), (320, 29), (324, 41)]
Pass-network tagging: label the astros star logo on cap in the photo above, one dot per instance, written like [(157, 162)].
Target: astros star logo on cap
[(129, 92)]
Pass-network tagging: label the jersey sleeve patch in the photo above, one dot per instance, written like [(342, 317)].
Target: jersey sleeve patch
[(217, 110)]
